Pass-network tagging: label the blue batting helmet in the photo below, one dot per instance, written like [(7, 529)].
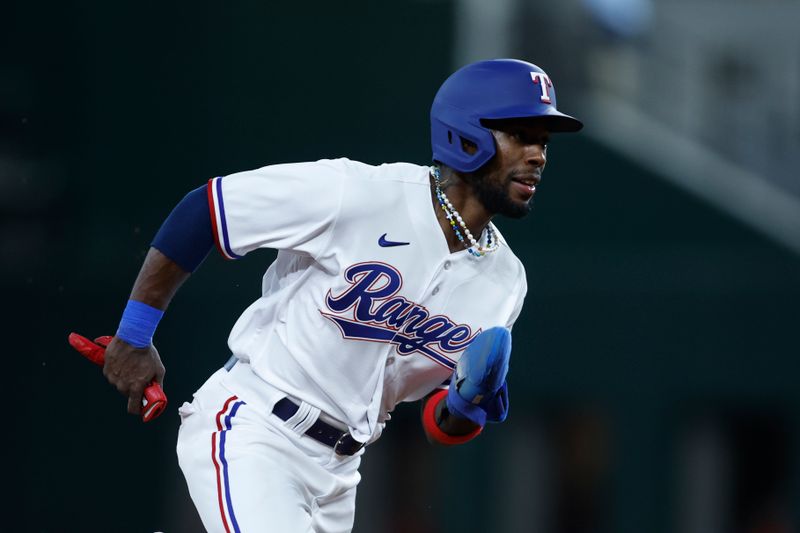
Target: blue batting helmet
[(486, 90)]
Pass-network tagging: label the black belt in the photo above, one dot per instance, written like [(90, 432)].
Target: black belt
[(341, 441)]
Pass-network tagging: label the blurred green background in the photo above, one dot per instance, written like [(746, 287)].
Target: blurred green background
[(653, 378)]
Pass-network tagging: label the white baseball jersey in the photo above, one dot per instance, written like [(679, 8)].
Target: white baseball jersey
[(365, 305)]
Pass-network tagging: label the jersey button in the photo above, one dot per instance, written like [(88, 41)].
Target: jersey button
[(435, 290), (447, 265)]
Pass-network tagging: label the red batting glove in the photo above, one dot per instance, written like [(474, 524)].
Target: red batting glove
[(154, 400)]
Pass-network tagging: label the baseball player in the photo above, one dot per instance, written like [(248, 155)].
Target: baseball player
[(391, 284)]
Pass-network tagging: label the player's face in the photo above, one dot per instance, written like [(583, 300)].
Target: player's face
[(507, 183)]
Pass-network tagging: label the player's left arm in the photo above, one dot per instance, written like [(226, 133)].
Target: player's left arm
[(477, 394)]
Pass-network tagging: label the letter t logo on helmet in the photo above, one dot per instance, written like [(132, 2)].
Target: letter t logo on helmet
[(488, 90), (542, 79)]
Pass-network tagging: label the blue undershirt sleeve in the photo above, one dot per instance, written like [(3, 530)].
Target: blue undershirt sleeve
[(186, 236)]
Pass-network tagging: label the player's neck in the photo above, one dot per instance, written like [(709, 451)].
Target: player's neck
[(467, 205)]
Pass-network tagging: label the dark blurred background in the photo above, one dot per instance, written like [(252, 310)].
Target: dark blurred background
[(653, 379)]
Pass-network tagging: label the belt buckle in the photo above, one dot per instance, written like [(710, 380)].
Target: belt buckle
[(351, 449)]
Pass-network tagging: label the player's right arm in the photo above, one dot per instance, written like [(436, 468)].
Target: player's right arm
[(184, 240), (130, 368)]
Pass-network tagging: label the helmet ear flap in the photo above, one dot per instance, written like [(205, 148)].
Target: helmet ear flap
[(448, 146)]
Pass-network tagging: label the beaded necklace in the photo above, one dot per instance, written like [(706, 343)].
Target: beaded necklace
[(456, 222)]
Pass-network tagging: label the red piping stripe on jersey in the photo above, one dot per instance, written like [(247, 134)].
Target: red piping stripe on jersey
[(223, 240), (213, 209), (223, 225)]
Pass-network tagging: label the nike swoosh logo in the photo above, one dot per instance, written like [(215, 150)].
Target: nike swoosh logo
[(383, 242)]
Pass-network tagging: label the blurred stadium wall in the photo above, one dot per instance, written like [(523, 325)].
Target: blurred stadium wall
[(653, 380)]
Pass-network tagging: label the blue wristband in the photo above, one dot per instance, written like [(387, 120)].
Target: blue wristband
[(138, 324)]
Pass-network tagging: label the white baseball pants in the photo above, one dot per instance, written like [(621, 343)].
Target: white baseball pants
[(249, 471)]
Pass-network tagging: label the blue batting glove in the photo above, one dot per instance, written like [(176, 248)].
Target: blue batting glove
[(479, 375)]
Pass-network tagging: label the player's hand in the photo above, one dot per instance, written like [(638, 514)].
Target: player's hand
[(131, 369)]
